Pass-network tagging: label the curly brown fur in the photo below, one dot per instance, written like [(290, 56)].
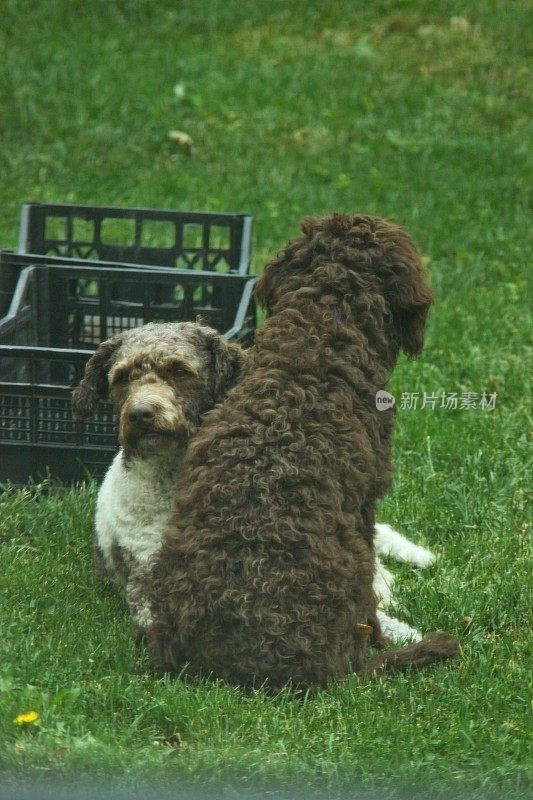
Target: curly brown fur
[(266, 574)]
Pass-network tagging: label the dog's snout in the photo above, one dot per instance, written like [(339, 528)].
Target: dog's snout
[(141, 414)]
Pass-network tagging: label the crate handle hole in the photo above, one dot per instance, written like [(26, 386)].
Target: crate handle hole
[(219, 237), (56, 229), (83, 230), (118, 231), (193, 236), (158, 233)]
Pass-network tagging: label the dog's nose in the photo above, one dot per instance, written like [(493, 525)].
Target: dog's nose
[(141, 414)]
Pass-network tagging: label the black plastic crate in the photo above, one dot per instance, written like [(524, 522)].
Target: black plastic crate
[(147, 236), (79, 306)]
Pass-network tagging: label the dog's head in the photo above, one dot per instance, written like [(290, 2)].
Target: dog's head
[(372, 264), (162, 378)]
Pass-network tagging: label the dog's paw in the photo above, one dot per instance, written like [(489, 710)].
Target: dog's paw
[(420, 557)]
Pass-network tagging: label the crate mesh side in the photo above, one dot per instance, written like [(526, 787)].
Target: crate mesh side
[(102, 306), (87, 330), (50, 419), (54, 421), (15, 418), (102, 428)]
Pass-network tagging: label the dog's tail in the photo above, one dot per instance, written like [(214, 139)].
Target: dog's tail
[(434, 648)]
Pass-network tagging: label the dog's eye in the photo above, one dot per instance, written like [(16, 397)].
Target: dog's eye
[(121, 378), (173, 368)]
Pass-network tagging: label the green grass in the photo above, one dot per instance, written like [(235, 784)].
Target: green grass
[(413, 110)]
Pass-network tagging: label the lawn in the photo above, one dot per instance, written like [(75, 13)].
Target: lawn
[(413, 110)]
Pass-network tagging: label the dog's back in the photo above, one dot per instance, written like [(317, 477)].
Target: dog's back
[(267, 575), (264, 575)]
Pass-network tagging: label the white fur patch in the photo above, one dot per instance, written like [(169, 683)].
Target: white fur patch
[(396, 629), (135, 505), (133, 509)]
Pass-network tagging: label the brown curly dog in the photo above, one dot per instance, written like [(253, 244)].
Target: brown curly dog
[(266, 573)]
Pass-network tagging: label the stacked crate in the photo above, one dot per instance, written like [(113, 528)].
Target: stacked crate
[(83, 274)]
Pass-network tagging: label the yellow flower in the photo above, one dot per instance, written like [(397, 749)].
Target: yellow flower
[(26, 719)]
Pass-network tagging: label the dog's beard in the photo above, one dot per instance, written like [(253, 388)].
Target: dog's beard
[(153, 440)]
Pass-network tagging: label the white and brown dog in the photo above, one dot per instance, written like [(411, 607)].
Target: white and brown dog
[(163, 378)]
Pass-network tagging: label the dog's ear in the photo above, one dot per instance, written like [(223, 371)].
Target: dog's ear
[(405, 288), (410, 317), (94, 385), (410, 299), (227, 363)]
